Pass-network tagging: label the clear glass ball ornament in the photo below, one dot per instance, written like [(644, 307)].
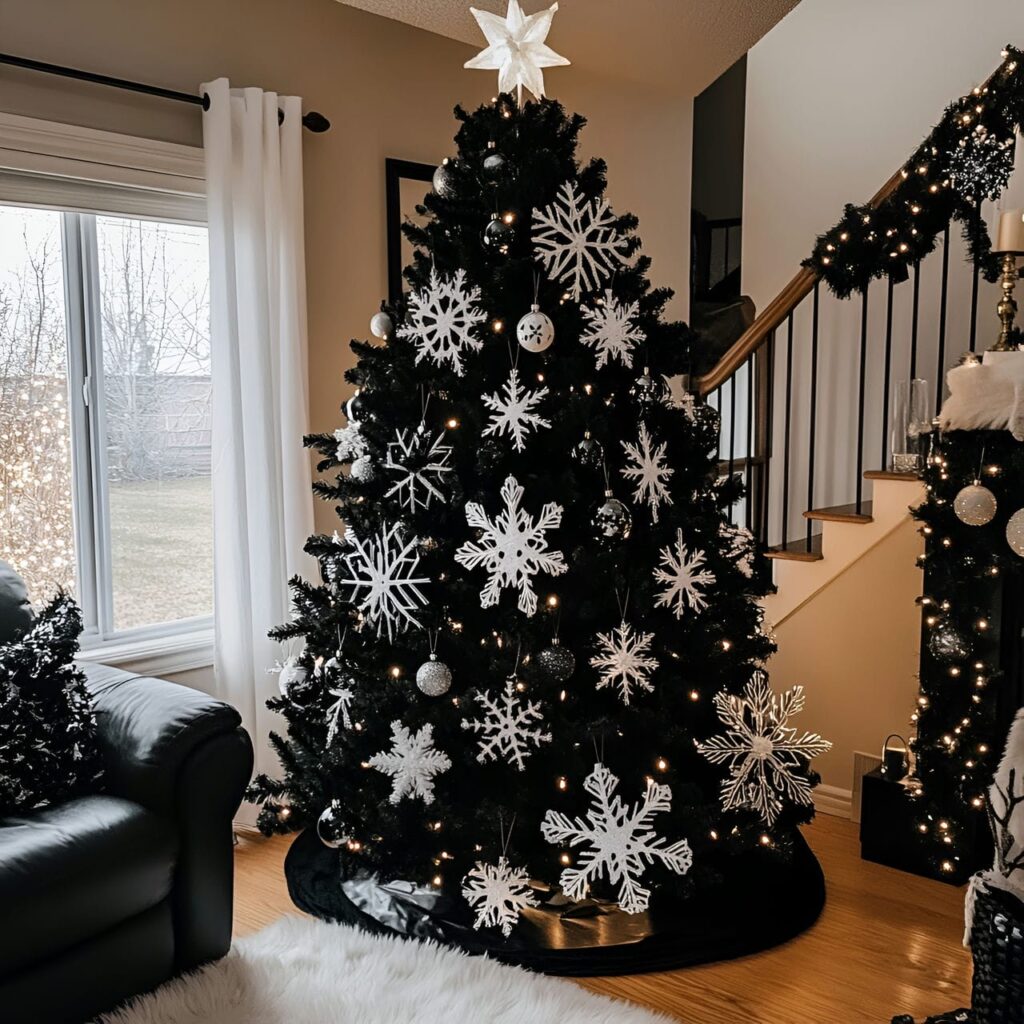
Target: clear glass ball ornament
[(975, 505), (293, 674), (535, 330), (443, 180), (331, 827), (1015, 532), (433, 677), (589, 453), (612, 521), (647, 391), (499, 234)]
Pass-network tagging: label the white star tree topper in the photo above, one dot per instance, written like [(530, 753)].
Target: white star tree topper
[(516, 48), (684, 576), (442, 319), (763, 753), (386, 570), (625, 661), (576, 240), (649, 471), (612, 332), (421, 464), (513, 411), (508, 728), (498, 893), (512, 548), (619, 840), (412, 763)]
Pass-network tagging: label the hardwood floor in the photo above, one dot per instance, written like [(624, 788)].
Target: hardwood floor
[(886, 943)]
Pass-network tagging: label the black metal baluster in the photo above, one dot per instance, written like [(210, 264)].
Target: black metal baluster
[(860, 396), (732, 440), (748, 501), (976, 276), (914, 319), (887, 376), (765, 445), (814, 411), (785, 451), (940, 371)]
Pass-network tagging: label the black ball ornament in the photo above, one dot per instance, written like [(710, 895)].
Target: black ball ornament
[(612, 522), (489, 454), (647, 391), (355, 408), (443, 180), (556, 662), (589, 453), (331, 826), (500, 233), (494, 164), (947, 644)]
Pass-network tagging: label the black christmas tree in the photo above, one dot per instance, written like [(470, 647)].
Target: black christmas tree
[(536, 651)]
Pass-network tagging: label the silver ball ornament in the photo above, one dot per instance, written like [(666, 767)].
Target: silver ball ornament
[(443, 180), (557, 662), (434, 678), (292, 674), (612, 521), (331, 827), (947, 644), (1015, 532), (362, 469), (975, 505), (535, 330), (381, 325)]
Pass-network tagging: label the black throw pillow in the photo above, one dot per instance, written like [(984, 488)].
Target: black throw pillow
[(48, 747)]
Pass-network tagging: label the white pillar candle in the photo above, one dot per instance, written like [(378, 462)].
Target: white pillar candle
[(1011, 232)]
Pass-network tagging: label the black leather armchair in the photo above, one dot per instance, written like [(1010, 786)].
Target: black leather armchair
[(109, 895)]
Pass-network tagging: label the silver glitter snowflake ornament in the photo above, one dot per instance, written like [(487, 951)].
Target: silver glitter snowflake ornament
[(767, 759), (619, 842), (625, 661), (508, 729), (684, 576), (612, 331), (513, 411), (498, 893), (512, 547), (351, 442), (577, 242), (421, 464), (442, 319), (338, 713), (649, 471), (412, 763)]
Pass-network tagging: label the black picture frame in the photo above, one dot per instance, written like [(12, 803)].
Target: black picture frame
[(395, 172)]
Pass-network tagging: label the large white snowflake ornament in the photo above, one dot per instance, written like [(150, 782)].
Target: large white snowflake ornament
[(382, 579), (498, 893), (412, 763), (625, 661), (619, 841), (648, 470), (766, 758), (576, 240), (740, 547), (421, 464), (442, 319), (684, 576), (512, 548), (508, 728), (513, 411), (612, 331)]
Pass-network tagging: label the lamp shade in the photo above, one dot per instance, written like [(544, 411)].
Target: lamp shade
[(1011, 232)]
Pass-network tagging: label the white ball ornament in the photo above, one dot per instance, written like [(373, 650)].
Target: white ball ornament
[(362, 469), (535, 330), (293, 673), (381, 325), (1015, 532), (434, 678), (975, 505)]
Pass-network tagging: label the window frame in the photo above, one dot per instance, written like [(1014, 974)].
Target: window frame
[(83, 173)]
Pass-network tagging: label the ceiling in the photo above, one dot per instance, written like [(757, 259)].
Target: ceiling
[(679, 46)]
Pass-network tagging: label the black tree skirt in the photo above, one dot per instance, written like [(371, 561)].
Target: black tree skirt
[(763, 904)]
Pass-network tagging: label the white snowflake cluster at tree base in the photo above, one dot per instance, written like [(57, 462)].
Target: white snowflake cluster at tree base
[(649, 471), (386, 570), (576, 240), (684, 576), (619, 842), (625, 661), (442, 319), (498, 893), (611, 330), (421, 463), (412, 763), (513, 411), (508, 728), (512, 548), (767, 759)]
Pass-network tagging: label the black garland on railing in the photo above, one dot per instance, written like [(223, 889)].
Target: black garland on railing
[(967, 158)]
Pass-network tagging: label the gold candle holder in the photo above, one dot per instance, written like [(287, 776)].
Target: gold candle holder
[(1007, 308)]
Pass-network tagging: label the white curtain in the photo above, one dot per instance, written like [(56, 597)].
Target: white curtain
[(261, 473)]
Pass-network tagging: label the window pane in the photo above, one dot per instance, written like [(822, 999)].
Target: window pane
[(154, 282), (36, 527)]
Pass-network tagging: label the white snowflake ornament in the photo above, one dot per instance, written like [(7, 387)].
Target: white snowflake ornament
[(513, 547), (625, 661), (351, 442), (508, 728), (382, 580), (763, 753), (649, 471), (612, 331), (576, 240), (441, 321), (498, 893), (338, 713), (513, 411), (421, 465), (619, 841), (684, 576), (412, 763)]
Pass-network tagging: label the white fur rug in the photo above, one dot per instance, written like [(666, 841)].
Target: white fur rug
[(302, 971)]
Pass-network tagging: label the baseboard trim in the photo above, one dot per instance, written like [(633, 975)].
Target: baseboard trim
[(834, 801)]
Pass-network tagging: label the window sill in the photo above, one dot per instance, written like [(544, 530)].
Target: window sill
[(155, 656)]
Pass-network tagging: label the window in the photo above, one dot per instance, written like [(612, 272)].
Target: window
[(105, 419)]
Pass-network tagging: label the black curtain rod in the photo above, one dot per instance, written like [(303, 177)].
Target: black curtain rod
[(313, 121)]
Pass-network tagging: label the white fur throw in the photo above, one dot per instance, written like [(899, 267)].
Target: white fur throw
[(302, 971), (983, 397)]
